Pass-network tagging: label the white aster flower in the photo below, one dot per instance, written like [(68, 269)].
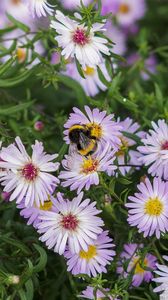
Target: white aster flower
[(75, 225), (162, 271), (155, 148), (27, 176), (40, 8), (76, 41)]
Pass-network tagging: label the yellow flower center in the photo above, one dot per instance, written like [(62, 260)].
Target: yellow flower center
[(89, 165), (138, 268), (124, 8), (123, 148), (96, 130), (153, 207), (89, 71), (21, 54), (47, 205), (88, 254), (15, 2)]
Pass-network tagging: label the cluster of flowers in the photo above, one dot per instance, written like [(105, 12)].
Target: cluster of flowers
[(72, 227), (77, 41)]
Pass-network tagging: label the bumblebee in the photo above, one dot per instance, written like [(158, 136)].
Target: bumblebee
[(82, 137)]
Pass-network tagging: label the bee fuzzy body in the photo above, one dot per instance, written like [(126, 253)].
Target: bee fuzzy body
[(80, 135)]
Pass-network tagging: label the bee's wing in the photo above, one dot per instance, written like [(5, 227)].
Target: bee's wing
[(84, 141)]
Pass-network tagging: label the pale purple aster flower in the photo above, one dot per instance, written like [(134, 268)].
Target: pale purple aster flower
[(75, 225), (148, 209), (117, 36), (91, 83), (81, 172), (39, 8), (55, 58), (32, 213), (89, 294), (73, 4), (27, 176), (75, 41), (94, 260), (155, 148), (105, 128), (127, 12), (127, 145), (132, 256), (162, 271)]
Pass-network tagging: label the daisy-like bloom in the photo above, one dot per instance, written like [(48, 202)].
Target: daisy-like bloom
[(39, 8), (136, 265), (162, 271), (27, 176), (94, 260), (155, 150), (77, 42), (89, 294), (73, 4), (127, 145), (82, 172), (148, 209), (32, 213), (75, 225), (105, 129), (91, 83), (127, 12)]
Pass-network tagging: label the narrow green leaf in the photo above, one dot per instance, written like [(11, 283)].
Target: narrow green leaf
[(29, 290), (11, 82), (42, 259), (102, 77), (14, 109), (10, 50), (18, 24), (4, 67), (79, 68)]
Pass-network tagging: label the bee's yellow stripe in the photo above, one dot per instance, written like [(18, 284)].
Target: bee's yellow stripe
[(76, 127), (88, 149)]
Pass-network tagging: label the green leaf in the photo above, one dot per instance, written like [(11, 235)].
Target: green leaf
[(18, 24), (73, 84), (159, 97), (42, 259), (4, 67), (29, 289), (11, 82), (79, 68), (14, 109), (5, 51), (102, 77)]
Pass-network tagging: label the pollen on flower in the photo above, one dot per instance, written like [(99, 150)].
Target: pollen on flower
[(29, 172), (138, 268), (164, 146), (69, 222), (21, 54), (89, 165), (46, 206), (88, 254), (124, 8), (16, 1), (96, 130), (89, 71), (153, 207), (80, 37)]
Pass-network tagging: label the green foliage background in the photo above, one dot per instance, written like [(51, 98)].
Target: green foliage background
[(40, 93)]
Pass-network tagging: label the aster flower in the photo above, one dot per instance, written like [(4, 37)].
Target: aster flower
[(148, 209), (40, 8), (162, 271), (155, 148), (27, 176), (76, 41), (126, 11), (74, 3), (18, 10), (136, 265), (33, 212), (74, 225), (105, 129), (91, 83), (89, 294), (82, 172), (127, 145), (94, 260)]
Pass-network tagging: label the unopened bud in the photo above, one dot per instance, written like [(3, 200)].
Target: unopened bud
[(13, 279), (39, 126)]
